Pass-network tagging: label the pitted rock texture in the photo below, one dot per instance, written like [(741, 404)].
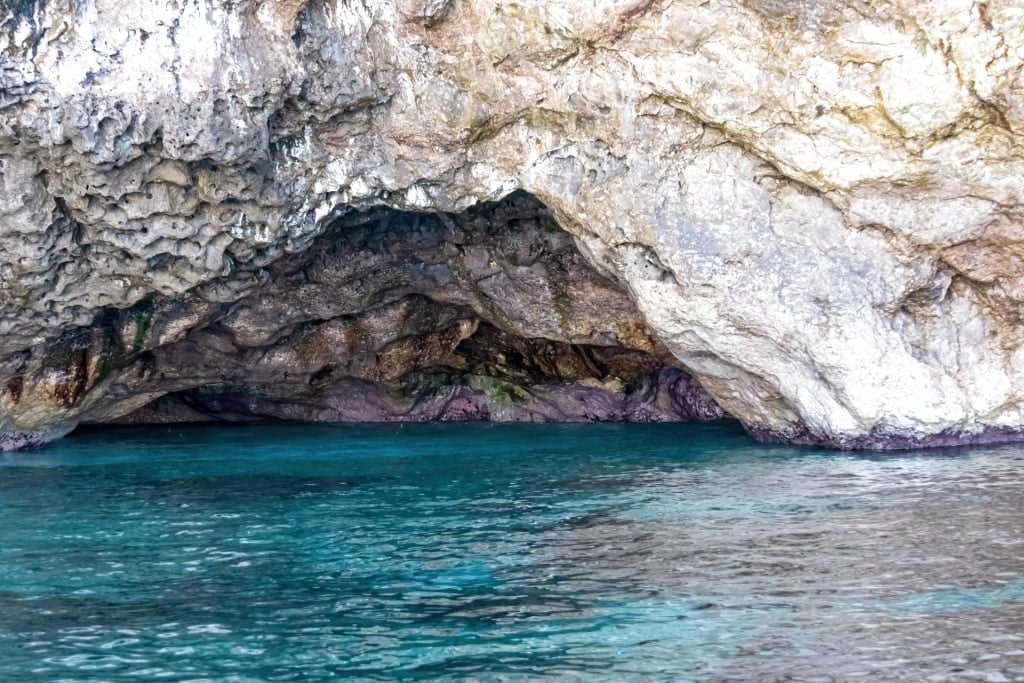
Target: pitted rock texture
[(487, 315), (815, 206), (491, 314)]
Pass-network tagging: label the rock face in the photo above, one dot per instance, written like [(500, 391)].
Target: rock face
[(487, 315), (264, 208), (491, 314)]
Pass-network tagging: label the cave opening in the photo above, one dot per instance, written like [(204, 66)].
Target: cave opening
[(492, 314)]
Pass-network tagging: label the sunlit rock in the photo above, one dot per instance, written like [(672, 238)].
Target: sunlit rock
[(813, 206)]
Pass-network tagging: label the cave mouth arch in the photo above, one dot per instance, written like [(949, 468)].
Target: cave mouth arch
[(490, 314)]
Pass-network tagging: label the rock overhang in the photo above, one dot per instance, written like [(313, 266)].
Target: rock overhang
[(826, 236)]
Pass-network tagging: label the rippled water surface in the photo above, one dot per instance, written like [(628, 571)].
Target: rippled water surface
[(505, 552)]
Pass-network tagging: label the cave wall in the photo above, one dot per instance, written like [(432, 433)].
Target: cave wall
[(489, 314), (814, 206)]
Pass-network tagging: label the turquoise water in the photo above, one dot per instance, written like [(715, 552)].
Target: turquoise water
[(505, 552)]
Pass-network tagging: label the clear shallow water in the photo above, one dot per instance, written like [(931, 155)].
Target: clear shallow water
[(505, 552)]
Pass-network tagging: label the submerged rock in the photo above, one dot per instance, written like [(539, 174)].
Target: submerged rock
[(265, 209)]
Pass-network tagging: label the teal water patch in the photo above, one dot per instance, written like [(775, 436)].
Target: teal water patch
[(502, 552), (962, 598)]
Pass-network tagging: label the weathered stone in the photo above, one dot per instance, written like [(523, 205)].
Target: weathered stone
[(487, 315), (815, 207)]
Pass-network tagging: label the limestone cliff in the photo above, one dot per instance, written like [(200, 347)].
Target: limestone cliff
[(265, 208)]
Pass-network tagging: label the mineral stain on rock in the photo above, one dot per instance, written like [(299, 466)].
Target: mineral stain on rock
[(477, 210)]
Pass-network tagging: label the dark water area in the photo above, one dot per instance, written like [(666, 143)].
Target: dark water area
[(505, 552)]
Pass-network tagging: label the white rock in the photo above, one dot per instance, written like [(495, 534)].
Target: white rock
[(815, 205)]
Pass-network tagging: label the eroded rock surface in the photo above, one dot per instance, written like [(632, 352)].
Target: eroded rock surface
[(814, 206), (491, 314)]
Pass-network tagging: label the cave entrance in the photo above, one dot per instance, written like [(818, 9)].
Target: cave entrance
[(489, 314)]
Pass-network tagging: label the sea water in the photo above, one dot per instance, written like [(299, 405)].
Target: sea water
[(505, 552)]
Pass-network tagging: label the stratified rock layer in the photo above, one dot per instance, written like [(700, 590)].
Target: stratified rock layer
[(814, 207)]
